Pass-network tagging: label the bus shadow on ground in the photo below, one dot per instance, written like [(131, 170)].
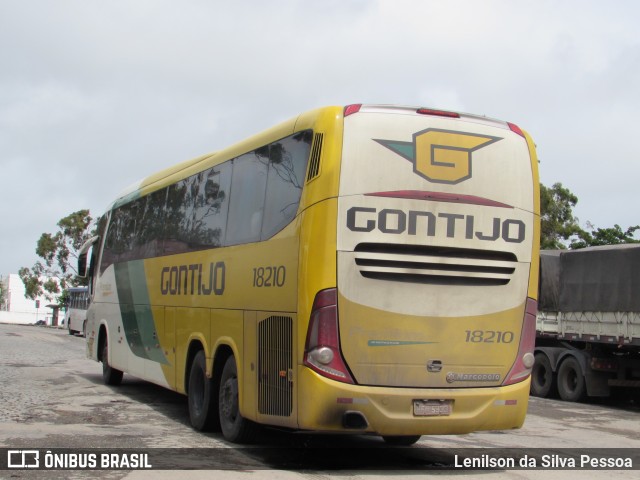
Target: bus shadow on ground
[(289, 450), (166, 402), (275, 448)]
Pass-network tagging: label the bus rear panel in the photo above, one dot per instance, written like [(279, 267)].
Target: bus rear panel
[(436, 265)]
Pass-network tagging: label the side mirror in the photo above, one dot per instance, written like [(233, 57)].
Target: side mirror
[(83, 254)]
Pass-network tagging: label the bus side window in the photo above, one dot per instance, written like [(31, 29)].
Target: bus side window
[(209, 212), (248, 184), (150, 228), (287, 166)]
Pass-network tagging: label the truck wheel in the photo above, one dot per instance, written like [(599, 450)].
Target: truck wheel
[(235, 427), (110, 375), (543, 381), (203, 408), (571, 384)]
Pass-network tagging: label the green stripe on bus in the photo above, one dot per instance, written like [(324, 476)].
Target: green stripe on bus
[(137, 317)]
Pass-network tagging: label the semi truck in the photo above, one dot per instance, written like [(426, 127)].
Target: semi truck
[(588, 322)]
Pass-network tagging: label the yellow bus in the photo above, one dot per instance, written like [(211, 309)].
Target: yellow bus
[(364, 269)]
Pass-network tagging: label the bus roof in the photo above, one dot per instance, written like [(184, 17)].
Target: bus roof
[(187, 168)]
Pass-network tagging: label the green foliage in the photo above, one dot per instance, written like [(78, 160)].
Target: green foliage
[(606, 236), (3, 294), (57, 269), (559, 227), (558, 224)]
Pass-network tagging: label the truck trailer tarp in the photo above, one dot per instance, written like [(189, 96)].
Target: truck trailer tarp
[(594, 279)]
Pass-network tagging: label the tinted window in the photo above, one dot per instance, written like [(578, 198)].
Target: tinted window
[(150, 225), (287, 167), (175, 208), (121, 236), (196, 213), (135, 230), (240, 201), (212, 206), (246, 205)]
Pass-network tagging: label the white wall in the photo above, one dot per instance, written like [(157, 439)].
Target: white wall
[(20, 309), (25, 318)]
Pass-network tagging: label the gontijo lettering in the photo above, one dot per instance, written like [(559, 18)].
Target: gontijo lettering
[(193, 279), (418, 222)]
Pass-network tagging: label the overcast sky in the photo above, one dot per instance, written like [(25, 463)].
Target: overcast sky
[(95, 95)]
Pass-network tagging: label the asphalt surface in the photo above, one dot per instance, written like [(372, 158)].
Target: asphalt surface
[(52, 397)]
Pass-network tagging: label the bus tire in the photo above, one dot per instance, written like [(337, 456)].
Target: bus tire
[(84, 329), (203, 409), (234, 426), (401, 440), (110, 375), (571, 383), (543, 380)]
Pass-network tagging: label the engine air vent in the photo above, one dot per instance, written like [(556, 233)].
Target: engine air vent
[(434, 265), (275, 366), (314, 159)]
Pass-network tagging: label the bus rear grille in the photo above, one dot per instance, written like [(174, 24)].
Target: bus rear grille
[(434, 265), (275, 369), (314, 159)]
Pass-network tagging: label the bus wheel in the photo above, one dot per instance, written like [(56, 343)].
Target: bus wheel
[(235, 427), (543, 381), (401, 440), (571, 384), (84, 329), (202, 407), (110, 375)]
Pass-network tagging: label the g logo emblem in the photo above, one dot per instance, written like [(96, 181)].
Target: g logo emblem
[(441, 156)]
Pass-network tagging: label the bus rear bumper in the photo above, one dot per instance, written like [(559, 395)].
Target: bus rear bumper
[(327, 405)]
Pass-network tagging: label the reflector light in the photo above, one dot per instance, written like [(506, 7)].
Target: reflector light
[(524, 361), (516, 129), (351, 109), (439, 113), (604, 364), (322, 348)]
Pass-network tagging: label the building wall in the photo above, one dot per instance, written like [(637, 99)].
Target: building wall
[(17, 308)]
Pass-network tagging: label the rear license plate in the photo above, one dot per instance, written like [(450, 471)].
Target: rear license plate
[(432, 408)]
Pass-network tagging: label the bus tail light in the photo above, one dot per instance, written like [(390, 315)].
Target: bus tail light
[(524, 361), (351, 109), (322, 348), (437, 113), (516, 129)]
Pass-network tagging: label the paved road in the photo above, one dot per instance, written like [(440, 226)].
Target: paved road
[(51, 396)]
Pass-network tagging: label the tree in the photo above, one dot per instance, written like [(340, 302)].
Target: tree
[(560, 227), (606, 236), (3, 294), (59, 252), (558, 224)]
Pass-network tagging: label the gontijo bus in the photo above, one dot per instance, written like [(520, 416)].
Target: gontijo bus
[(359, 269)]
